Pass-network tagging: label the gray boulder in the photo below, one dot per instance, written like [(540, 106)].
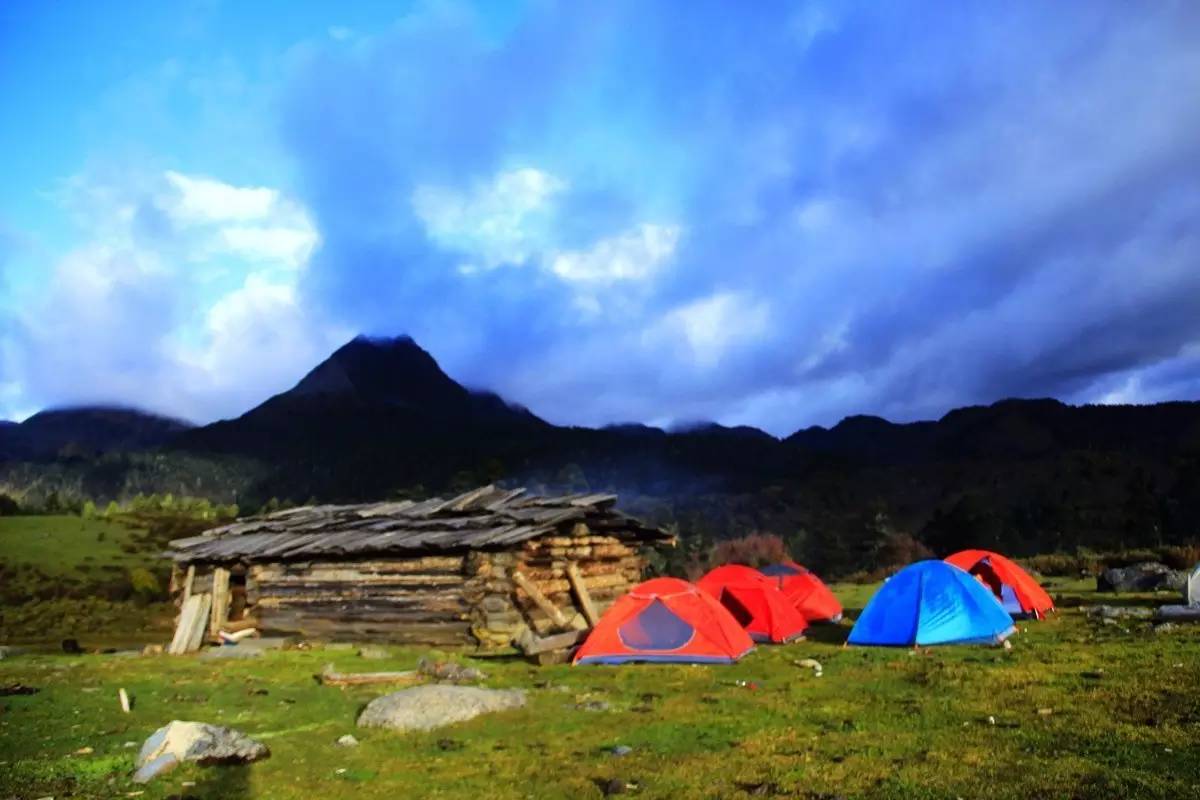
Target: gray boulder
[(1148, 576), (1118, 612), (431, 706), (205, 744)]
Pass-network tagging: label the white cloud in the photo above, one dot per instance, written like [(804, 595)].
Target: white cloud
[(197, 317), (254, 222), (498, 222), (715, 325), (200, 199), (631, 256)]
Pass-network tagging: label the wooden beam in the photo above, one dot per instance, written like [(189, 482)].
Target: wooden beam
[(531, 644), (220, 601), (552, 611), (187, 582), (581, 592), (193, 620), (330, 678)]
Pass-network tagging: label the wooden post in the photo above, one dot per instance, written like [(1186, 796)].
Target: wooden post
[(535, 594), (220, 600), (187, 583), (581, 591)]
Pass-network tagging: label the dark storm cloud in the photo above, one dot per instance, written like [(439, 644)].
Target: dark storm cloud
[(777, 217)]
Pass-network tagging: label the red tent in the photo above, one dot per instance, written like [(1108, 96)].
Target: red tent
[(755, 602), (665, 619), (806, 591), (1017, 591)]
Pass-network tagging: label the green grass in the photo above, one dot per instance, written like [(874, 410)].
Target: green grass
[(69, 577), (942, 723), (66, 546)]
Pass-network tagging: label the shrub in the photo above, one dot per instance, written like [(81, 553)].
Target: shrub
[(144, 584), (754, 550)]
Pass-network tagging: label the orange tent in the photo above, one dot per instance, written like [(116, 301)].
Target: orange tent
[(805, 590), (756, 602), (665, 619), (1017, 591)]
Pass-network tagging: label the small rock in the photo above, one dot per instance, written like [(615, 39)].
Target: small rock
[(614, 786), (10, 689), (152, 650), (128, 745), (448, 671), (232, 651), (1045, 712), (622, 750), (991, 720), (347, 741), (433, 705), (1118, 612), (1165, 627), (592, 705), (85, 751), (373, 653), (195, 741)]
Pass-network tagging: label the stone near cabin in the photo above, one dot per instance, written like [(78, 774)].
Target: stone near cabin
[(424, 708), (205, 744), (1148, 576), (347, 741)]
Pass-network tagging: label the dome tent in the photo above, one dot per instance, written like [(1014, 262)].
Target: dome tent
[(930, 603), (755, 602), (805, 591), (665, 620), (1017, 591)]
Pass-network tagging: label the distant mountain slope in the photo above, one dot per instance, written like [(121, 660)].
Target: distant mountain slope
[(379, 418), (86, 430)]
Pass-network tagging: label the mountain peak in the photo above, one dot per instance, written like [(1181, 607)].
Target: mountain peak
[(387, 370)]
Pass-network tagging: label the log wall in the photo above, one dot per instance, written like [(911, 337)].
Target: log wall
[(440, 600)]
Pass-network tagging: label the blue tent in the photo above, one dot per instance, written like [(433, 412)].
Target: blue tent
[(932, 602)]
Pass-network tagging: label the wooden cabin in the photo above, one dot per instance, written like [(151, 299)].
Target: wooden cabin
[(483, 568)]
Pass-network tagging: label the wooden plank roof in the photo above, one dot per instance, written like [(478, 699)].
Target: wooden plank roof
[(481, 518)]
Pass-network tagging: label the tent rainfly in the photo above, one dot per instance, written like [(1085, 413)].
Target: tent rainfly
[(486, 567)]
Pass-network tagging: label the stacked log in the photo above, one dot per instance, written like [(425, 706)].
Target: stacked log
[(444, 600)]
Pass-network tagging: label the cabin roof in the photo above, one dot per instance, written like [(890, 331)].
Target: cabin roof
[(487, 517)]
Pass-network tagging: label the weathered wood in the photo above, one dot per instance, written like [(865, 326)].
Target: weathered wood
[(193, 620), (187, 582), (220, 601), (329, 677), (531, 644), (537, 597), (581, 592)]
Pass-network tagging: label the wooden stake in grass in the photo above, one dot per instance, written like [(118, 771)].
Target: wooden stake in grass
[(124, 698)]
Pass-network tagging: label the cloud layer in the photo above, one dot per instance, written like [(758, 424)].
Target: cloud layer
[(618, 212)]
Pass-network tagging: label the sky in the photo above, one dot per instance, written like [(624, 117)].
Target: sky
[(775, 214)]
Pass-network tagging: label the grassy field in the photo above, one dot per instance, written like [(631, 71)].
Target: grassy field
[(1074, 710), (67, 546), (70, 577)]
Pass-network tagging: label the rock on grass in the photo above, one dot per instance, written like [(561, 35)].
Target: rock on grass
[(205, 744), (431, 706)]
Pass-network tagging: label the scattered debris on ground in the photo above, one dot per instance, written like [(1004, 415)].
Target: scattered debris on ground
[(811, 663), (434, 705), (448, 671), (1104, 612), (330, 677), (373, 652), (10, 689)]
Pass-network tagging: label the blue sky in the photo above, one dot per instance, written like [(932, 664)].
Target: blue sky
[(777, 216)]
